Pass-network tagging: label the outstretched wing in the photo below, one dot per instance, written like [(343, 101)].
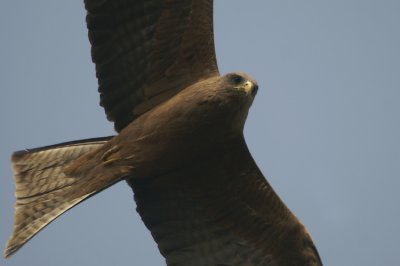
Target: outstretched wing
[(222, 211), (146, 51)]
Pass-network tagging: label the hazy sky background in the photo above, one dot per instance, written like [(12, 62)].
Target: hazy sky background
[(324, 128)]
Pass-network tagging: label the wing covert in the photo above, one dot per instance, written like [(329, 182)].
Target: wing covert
[(146, 51)]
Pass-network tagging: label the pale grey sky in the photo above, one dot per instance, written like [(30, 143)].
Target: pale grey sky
[(324, 128)]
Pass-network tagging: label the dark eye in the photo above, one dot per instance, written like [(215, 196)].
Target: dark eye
[(237, 79)]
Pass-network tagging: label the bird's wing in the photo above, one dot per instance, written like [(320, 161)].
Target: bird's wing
[(146, 51), (222, 211)]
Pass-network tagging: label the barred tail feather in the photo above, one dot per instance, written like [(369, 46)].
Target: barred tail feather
[(43, 191)]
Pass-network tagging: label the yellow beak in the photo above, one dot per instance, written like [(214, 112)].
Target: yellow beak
[(248, 87)]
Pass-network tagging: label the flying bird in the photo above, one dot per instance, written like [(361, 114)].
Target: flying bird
[(180, 145)]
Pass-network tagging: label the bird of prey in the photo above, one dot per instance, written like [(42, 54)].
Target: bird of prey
[(180, 145)]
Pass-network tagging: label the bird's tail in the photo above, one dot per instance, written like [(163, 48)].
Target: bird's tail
[(43, 190)]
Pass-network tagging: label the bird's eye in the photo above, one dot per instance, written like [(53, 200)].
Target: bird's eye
[(237, 79)]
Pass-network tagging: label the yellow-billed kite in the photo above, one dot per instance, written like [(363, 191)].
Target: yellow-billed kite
[(180, 145)]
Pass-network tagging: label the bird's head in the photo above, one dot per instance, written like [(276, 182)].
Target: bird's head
[(237, 91), (228, 98), (241, 83)]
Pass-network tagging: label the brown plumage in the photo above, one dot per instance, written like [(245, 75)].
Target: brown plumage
[(147, 51), (180, 145)]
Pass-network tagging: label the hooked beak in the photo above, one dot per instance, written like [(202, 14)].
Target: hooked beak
[(249, 88)]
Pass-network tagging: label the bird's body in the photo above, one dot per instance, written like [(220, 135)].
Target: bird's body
[(182, 149), (173, 134)]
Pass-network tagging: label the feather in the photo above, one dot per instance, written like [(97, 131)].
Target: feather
[(43, 190)]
